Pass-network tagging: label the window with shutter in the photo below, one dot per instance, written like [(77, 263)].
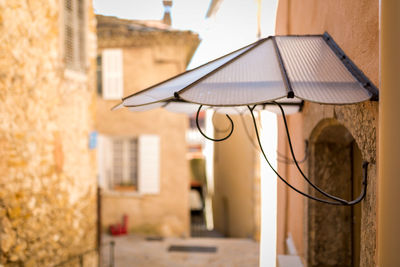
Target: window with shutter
[(81, 33), (124, 166), (112, 74), (129, 164), (75, 27), (117, 162), (68, 34)]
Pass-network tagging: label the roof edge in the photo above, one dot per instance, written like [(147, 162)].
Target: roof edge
[(352, 68)]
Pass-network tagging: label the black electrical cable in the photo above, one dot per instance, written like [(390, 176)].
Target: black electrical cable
[(339, 202), (247, 132), (209, 138), (287, 160), (280, 157), (216, 129), (273, 169), (296, 163)]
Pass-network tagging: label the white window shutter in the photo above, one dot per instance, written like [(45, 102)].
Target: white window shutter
[(104, 160), (112, 74), (149, 164)]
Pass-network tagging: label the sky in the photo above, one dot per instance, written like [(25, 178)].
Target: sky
[(186, 14), (234, 26)]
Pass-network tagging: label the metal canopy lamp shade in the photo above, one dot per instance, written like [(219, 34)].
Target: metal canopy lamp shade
[(277, 73)]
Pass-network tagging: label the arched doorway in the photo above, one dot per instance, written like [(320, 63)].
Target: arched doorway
[(336, 166)]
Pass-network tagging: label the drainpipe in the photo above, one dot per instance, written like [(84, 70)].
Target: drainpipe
[(389, 136)]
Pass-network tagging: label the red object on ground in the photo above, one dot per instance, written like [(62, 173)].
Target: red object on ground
[(118, 229)]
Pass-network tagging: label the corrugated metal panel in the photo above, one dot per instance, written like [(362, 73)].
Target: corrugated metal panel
[(166, 89), (311, 68), (183, 107), (316, 73), (147, 107), (254, 77)]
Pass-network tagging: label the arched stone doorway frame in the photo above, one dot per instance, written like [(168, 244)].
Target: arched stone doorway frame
[(361, 122)]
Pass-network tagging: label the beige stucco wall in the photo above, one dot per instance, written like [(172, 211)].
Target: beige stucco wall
[(48, 180), (236, 198), (354, 26), (146, 62), (290, 204)]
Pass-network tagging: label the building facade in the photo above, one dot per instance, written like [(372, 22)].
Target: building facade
[(237, 188), (339, 139), (143, 170), (48, 181)]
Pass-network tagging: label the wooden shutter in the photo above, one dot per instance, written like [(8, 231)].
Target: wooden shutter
[(112, 74), (75, 32), (81, 33), (149, 164), (69, 33)]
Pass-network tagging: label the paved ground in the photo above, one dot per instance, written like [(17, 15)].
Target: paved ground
[(137, 251)]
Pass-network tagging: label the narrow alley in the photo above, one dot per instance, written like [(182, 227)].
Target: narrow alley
[(133, 250)]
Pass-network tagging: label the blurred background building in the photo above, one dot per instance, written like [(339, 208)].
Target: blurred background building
[(143, 169)]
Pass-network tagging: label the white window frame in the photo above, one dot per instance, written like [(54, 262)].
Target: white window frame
[(148, 164), (128, 158)]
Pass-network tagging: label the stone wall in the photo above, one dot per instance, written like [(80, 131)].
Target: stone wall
[(47, 182), (361, 122), (334, 165)]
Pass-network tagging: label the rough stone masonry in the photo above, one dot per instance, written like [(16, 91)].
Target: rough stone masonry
[(47, 172)]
